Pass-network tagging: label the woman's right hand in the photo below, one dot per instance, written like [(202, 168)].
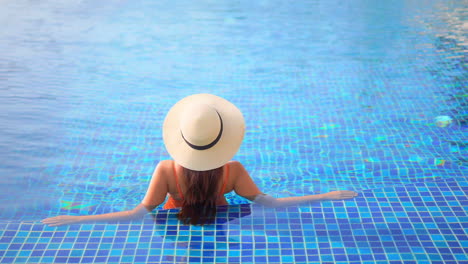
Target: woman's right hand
[(339, 195)]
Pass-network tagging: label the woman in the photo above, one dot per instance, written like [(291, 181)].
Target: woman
[(202, 133)]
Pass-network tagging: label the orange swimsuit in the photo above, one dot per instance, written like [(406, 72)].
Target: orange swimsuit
[(173, 203)]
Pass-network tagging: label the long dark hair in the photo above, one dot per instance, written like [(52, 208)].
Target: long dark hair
[(200, 199)]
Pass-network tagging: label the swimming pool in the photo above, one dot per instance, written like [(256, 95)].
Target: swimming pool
[(335, 96)]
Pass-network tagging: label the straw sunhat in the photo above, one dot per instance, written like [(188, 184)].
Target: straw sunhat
[(203, 131)]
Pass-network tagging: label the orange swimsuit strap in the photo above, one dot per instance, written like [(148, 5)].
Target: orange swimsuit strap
[(177, 182), (225, 181)]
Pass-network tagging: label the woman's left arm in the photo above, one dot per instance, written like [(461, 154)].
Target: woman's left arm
[(136, 213), (155, 195)]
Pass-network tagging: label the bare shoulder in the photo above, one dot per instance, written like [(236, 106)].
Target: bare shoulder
[(235, 164), (236, 171), (158, 188), (236, 168), (163, 169), (165, 164), (243, 183)]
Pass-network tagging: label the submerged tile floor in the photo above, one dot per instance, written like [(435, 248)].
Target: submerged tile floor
[(418, 223)]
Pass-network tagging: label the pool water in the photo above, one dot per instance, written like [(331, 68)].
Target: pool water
[(336, 96)]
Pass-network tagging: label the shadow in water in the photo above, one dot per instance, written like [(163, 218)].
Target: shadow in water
[(187, 242)]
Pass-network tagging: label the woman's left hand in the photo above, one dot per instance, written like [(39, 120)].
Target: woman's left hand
[(61, 220)]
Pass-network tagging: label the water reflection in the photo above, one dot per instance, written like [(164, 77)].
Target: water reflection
[(449, 67)]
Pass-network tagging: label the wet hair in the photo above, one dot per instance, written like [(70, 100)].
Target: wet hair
[(200, 199)]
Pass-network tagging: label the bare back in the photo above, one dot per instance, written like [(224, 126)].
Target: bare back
[(163, 182)]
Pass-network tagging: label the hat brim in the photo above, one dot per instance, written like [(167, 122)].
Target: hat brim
[(216, 156)]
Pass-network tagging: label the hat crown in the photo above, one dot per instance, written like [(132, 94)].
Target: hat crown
[(200, 124), (203, 131)]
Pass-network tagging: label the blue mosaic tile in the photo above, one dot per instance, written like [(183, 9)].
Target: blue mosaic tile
[(330, 231)]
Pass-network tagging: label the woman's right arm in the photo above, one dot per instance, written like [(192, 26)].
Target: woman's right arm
[(267, 200), (243, 184), (245, 187)]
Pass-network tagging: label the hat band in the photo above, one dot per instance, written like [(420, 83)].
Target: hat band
[(196, 147)]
